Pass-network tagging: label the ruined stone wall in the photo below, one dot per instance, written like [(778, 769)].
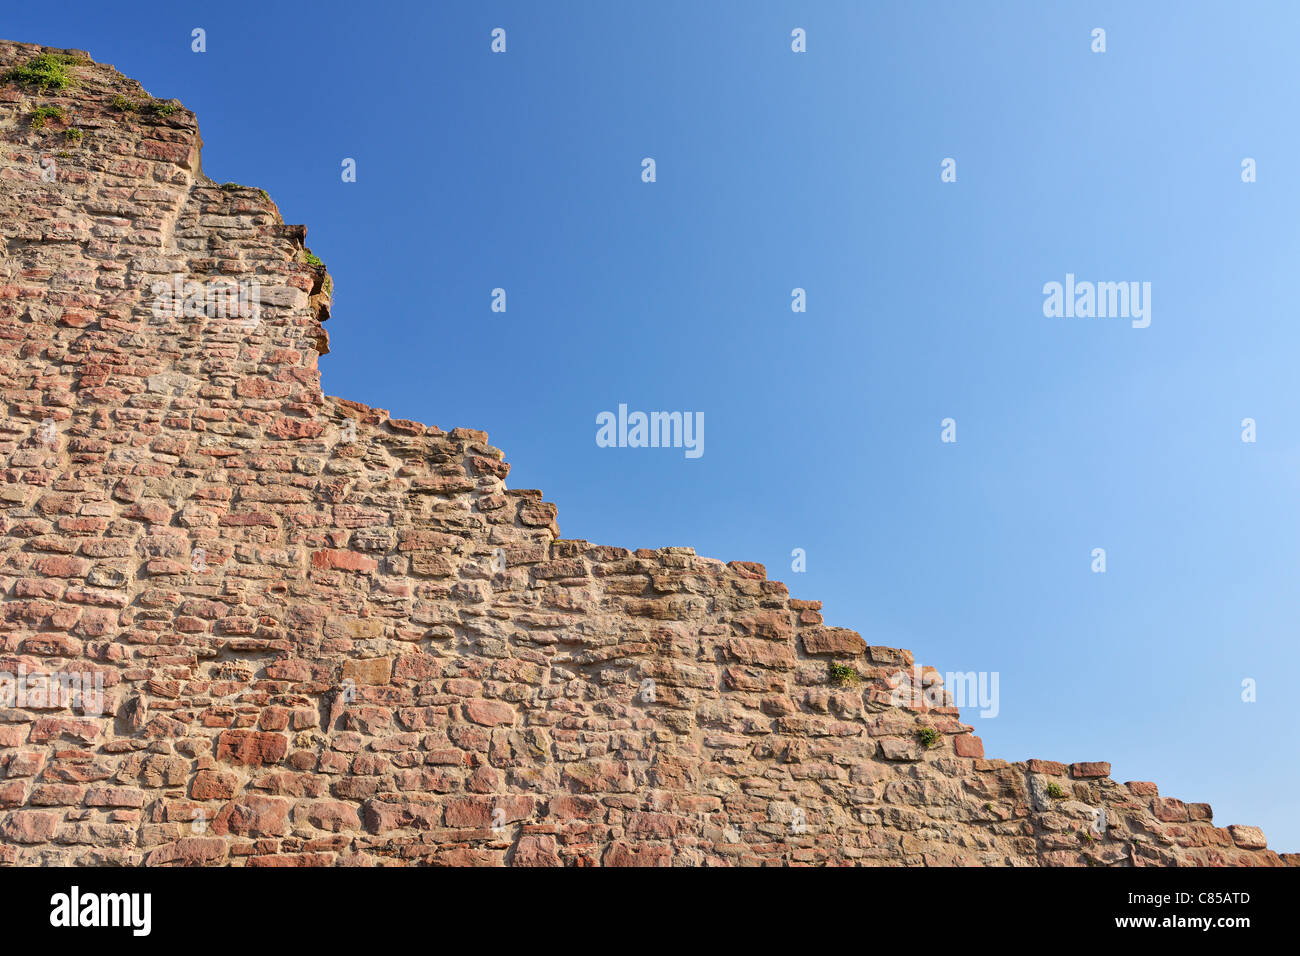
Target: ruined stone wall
[(326, 636)]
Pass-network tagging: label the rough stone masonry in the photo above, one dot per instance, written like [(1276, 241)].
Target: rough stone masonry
[(326, 636)]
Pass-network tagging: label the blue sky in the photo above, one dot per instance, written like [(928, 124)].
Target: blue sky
[(821, 170)]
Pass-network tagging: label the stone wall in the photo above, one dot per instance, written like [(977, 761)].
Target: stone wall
[(327, 636)]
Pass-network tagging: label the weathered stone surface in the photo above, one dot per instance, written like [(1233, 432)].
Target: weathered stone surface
[(489, 712), (1090, 769), (28, 826), (346, 560), (214, 785), (190, 851), (377, 670), (833, 640), (251, 747), (1250, 838), (253, 816), (326, 636)]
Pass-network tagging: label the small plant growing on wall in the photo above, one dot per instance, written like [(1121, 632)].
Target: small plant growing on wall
[(928, 736), (161, 107), (48, 71), (1054, 791), (843, 675), (43, 113)]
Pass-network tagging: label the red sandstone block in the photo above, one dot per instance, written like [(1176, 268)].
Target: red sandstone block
[(246, 519), (1143, 788), (343, 560), (563, 568), (536, 850), (290, 669), (598, 776), (160, 567), (1170, 810), (834, 640), (490, 713), (97, 622), (150, 512), (373, 671), (450, 485), (295, 428), (413, 540), (653, 826), (761, 653), (381, 816), (570, 546), (29, 826), (51, 728), (53, 645), (623, 854), (214, 785), (273, 718), (490, 466), (328, 844), (292, 860), (114, 797), (177, 153), (575, 807), (749, 569), (61, 567), (892, 748), (445, 757), (1048, 767), (82, 525), (56, 795), (24, 763), (1248, 838), (39, 588), (968, 745), (888, 656), (189, 851), (253, 816), (1086, 769), (332, 815), (487, 811), (261, 388), (251, 747), (538, 514)]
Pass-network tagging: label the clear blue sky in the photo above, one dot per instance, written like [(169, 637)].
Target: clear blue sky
[(821, 170)]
